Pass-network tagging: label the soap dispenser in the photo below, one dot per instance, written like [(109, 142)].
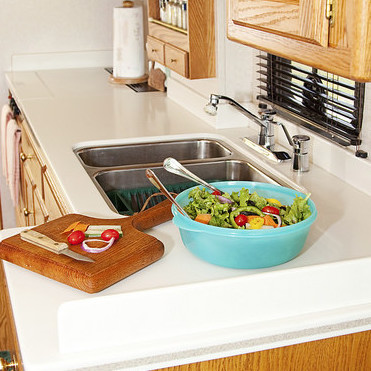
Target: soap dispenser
[(301, 153)]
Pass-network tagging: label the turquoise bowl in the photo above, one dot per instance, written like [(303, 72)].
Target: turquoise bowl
[(245, 249)]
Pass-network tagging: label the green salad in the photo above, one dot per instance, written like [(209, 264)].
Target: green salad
[(244, 210)]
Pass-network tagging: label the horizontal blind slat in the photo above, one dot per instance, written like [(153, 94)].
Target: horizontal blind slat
[(333, 102)]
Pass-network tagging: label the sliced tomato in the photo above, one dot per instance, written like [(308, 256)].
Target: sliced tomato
[(240, 220), (271, 210), (216, 193)]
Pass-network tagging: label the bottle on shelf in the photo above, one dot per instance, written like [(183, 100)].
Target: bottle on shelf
[(174, 12), (172, 5), (178, 13), (183, 7), (162, 10), (167, 12)]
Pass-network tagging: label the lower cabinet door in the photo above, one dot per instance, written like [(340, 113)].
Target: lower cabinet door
[(28, 209), (41, 214), (55, 210)]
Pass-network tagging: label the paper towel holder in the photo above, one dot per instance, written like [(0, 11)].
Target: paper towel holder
[(129, 80), (128, 4)]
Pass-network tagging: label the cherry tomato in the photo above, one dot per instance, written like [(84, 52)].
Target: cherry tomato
[(109, 233), (216, 193), (271, 210), (240, 220), (76, 237)]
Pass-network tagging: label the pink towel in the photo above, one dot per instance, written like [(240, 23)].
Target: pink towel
[(13, 140), (6, 115)]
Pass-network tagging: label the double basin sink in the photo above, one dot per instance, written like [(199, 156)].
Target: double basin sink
[(118, 171)]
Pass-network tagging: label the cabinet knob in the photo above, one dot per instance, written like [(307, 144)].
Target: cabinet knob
[(8, 362), (24, 157), (172, 60), (154, 50), (26, 212)]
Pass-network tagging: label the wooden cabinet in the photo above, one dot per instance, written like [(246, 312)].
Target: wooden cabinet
[(331, 35), (190, 53), (39, 199)]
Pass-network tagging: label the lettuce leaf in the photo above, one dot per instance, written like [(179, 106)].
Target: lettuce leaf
[(298, 211)]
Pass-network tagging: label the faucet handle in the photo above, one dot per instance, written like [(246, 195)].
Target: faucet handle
[(267, 114), (288, 137)]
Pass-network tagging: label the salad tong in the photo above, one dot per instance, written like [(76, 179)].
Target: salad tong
[(173, 166)]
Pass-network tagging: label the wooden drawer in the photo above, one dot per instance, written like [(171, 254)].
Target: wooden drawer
[(28, 155), (176, 60), (155, 50)]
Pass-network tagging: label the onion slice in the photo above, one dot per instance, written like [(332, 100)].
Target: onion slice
[(278, 218), (96, 250), (224, 200)]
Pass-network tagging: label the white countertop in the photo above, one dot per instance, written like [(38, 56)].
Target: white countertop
[(180, 309)]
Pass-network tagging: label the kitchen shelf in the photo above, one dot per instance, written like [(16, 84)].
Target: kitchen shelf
[(164, 24), (189, 53)]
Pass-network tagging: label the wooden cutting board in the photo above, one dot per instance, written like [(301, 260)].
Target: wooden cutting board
[(132, 252)]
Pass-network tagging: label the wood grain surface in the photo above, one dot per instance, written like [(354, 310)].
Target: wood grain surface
[(347, 53), (132, 252), (342, 353), (8, 334), (304, 20)]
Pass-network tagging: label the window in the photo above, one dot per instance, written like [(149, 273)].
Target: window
[(326, 103)]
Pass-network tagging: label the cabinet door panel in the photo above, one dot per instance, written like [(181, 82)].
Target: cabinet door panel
[(299, 19), (41, 215), (52, 204), (28, 202)]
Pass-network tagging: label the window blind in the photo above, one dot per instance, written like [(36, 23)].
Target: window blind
[(329, 104)]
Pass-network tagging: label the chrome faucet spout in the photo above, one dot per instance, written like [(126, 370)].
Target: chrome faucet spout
[(266, 135), (214, 101)]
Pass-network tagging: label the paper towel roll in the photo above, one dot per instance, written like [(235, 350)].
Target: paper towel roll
[(128, 42)]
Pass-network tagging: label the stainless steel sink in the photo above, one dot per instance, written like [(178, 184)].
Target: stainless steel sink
[(149, 153), (126, 190), (119, 171)]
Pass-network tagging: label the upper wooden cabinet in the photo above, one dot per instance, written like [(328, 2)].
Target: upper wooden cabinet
[(333, 35), (191, 52)]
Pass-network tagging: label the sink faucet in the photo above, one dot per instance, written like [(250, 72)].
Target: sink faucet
[(265, 145), (266, 135)]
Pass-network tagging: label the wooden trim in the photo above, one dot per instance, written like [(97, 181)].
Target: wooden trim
[(201, 37), (8, 334), (348, 352)]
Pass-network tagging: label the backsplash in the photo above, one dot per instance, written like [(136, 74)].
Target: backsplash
[(54, 34)]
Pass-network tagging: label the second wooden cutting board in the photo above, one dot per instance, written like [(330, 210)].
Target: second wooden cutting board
[(132, 252)]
